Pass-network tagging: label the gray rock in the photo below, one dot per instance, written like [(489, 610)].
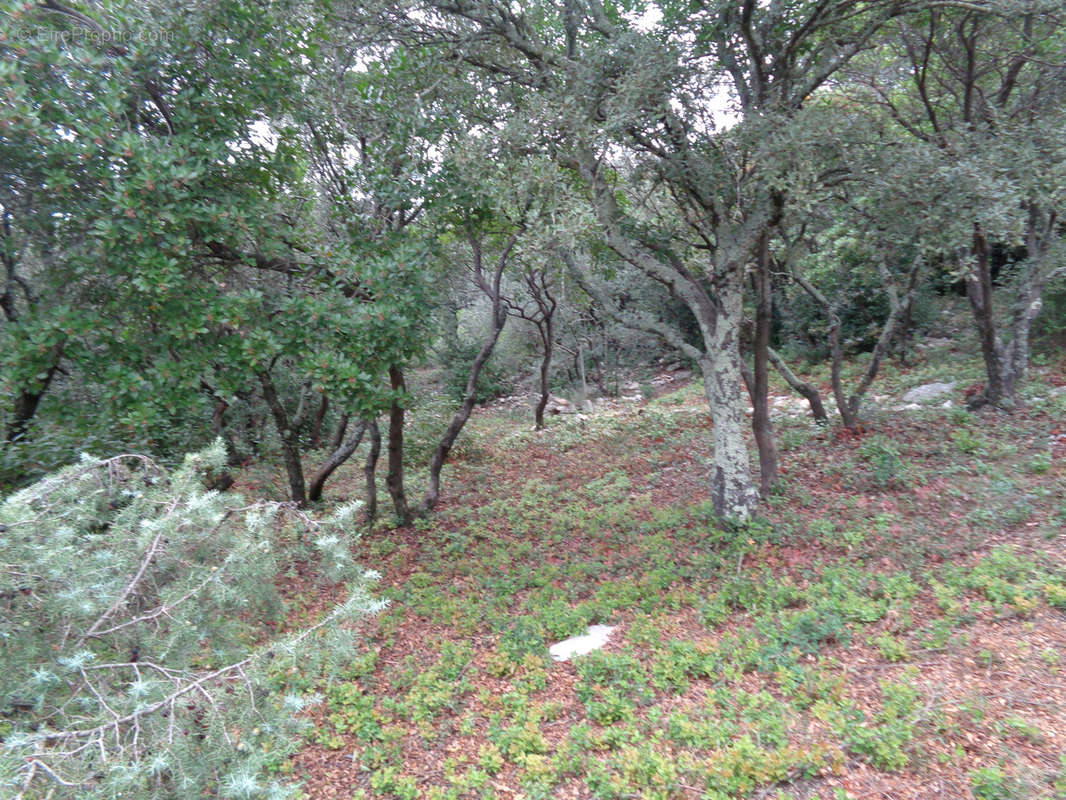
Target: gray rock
[(928, 391)]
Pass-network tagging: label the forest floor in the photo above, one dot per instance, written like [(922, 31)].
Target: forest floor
[(894, 626)]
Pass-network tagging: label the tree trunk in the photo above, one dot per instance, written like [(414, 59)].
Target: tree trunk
[(234, 457), (896, 321), (491, 289), (218, 418), (455, 427), (1006, 365), (979, 292), (338, 434), (288, 433), (394, 478), (847, 415), (316, 426), (583, 399), (337, 457), (28, 401), (1029, 299), (732, 492), (370, 471), (812, 395), (761, 424), (545, 376), (25, 409)]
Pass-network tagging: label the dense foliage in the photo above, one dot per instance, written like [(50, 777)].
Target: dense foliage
[(302, 229), (252, 221), (133, 605)]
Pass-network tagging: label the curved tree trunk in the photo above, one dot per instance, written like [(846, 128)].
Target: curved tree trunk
[(847, 414), (491, 289), (806, 390), (337, 457), (844, 408), (545, 375), (462, 414)]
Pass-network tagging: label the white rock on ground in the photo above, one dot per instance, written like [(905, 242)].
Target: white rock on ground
[(580, 645), (928, 391)]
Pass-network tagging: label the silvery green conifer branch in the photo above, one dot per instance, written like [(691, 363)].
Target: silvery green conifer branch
[(137, 592)]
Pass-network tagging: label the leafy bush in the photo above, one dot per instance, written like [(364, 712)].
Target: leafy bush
[(427, 419), (886, 466), (133, 600), (992, 783), (492, 382)]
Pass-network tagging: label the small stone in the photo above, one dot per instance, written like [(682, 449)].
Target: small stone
[(594, 639), (560, 405)]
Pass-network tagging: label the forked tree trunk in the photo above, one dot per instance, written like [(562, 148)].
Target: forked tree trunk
[(539, 289), (335, 460), (848, 406), (1007, 364), (288, 434)]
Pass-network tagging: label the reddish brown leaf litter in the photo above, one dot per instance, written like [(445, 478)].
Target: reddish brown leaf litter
[(992, 698)]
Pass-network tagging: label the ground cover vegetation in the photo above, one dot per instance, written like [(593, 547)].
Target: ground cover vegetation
[(631, 298)]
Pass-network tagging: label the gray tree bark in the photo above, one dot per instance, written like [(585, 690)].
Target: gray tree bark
[(732, 491)]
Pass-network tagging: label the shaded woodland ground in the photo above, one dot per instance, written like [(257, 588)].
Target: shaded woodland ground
[(893, 627)]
